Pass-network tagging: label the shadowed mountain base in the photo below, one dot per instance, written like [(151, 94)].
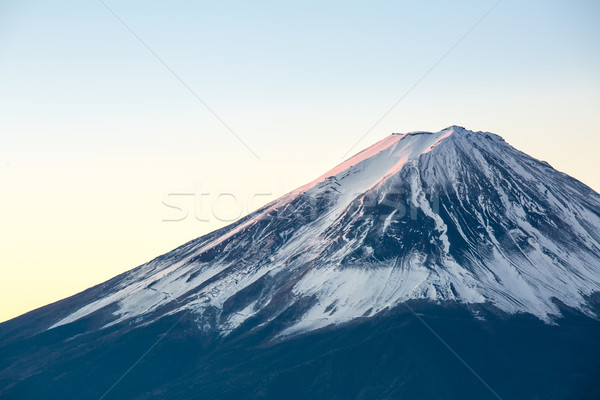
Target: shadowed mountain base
[(390, 356)]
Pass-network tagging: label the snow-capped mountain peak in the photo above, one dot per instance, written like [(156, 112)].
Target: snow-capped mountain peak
[(452, 215)]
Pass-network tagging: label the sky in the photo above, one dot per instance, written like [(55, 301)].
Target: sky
[(130, 127)]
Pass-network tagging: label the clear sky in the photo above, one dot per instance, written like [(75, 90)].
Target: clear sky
[(96, 134)]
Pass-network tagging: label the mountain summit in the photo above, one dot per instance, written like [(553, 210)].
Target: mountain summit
[(450, 218), (451, 215)]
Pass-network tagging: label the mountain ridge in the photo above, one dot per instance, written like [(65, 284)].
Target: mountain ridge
[(308, 240)]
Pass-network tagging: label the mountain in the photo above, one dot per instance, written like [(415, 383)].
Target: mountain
[(425, 266)]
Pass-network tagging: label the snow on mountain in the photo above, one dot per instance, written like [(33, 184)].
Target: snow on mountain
[(452, 215)]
